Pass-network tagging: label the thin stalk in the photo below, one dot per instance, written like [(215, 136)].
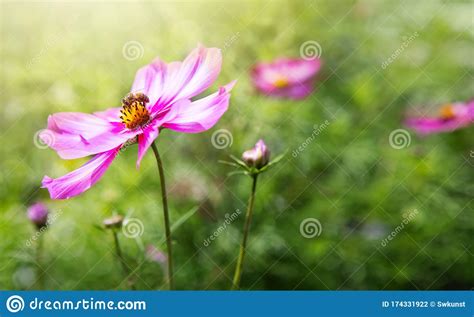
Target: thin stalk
[(39, 262), (248, 220), (119, 254), (164, 197)]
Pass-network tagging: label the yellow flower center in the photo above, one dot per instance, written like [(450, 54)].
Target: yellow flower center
[(280, 82), (134, 112), (447, 112)]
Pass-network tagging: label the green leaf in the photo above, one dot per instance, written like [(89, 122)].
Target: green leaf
[(240, 162)]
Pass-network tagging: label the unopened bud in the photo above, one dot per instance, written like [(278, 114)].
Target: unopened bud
[(258, 156), (38, 215)]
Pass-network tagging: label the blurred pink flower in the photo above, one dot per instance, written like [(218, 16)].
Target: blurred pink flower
[(451, 117), (285, 77), (155, 255), (38, 214), (160, 98)]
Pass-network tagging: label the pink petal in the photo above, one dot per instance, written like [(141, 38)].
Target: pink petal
[(295, 70), (463, 117), (111, 115), (435, 125), (164, 84), (84, 124), (150, 133), (199, 115), (296, 91), (198, 71), (299, 74), (80, 180), (150, 80), (72, 146)]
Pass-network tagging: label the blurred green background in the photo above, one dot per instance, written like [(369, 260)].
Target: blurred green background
[(69, 57)]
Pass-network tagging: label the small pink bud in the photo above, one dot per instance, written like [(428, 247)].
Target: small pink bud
[(156, 255), (258, 156), (38, 215)]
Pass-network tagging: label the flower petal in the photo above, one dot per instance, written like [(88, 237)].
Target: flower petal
[(296, 91), (80, 180), (78, 123), (150, 133), (111, 115), (435, 125), (198, 71), (291, 78), (199, 115), (164, 84), (150, 80), (293, 70), (72, 146)]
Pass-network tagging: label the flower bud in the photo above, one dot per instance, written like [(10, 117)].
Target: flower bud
[(38, 215), (155, 255), (114, 222), (258, 156)]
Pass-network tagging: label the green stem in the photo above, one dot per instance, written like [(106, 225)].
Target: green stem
[(118, 252), (39, 261), (166, 216), (248, 220)]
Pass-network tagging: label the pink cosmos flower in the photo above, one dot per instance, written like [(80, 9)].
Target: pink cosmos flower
[(160, 98), (451, 117), (285, 77)]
